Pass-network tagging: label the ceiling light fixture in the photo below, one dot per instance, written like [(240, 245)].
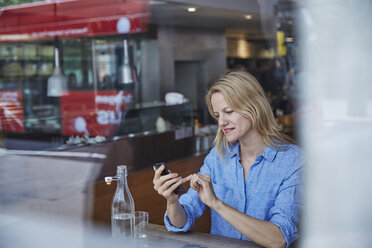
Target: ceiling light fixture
[(289, 39), (248, 17), (191, 9)]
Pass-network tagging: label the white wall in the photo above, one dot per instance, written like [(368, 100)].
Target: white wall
[(337, 123)]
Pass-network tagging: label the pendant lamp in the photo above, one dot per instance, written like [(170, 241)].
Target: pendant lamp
[(127, 74), (57, 83)]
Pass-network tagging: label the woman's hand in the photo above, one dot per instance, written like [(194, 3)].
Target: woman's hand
[(165, 185), (203, 185)]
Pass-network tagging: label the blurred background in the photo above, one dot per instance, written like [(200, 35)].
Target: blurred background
[(86, 85)]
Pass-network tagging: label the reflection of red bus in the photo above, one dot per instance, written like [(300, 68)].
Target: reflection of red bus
[(11, 111), (72, 18), (89, 36), (93, 113)]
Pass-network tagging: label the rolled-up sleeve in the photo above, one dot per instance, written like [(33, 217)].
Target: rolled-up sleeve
[(285, 212), (194, 208), (192, 204)]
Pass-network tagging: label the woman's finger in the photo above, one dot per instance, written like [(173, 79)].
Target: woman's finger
[(205, 177), (204, 181), (186, 179), (161, 180), (194, 182), (173, 187), (167, 184), (158, 172)]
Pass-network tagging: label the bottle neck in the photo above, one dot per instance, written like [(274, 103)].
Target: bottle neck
[(121, 175), (122, 182), (121, 171)]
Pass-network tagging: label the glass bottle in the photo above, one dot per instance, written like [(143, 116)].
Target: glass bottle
[(122, 208)]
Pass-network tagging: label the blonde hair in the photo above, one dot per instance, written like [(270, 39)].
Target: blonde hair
[(244, 95)]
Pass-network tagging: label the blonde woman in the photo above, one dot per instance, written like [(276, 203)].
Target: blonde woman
[(251, 179)]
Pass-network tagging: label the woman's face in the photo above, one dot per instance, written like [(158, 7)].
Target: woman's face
[(235, 126)]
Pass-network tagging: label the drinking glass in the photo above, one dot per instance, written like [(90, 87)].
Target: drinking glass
[(141, 224)]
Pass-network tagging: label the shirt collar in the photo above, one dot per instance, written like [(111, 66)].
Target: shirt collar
[(234, 150), (269, 153)]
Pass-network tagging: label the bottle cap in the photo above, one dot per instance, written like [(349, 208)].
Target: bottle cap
[(108, 180)]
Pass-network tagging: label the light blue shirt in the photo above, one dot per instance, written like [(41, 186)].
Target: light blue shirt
[(270, 192)]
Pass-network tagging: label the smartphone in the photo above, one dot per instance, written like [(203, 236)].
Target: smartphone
[(166, 171)]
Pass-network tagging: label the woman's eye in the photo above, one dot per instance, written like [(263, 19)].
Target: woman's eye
[(229, 112)]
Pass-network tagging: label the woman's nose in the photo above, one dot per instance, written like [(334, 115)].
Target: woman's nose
[(222, 121)]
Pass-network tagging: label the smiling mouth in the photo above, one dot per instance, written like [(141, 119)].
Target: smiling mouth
[(227, 130)]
